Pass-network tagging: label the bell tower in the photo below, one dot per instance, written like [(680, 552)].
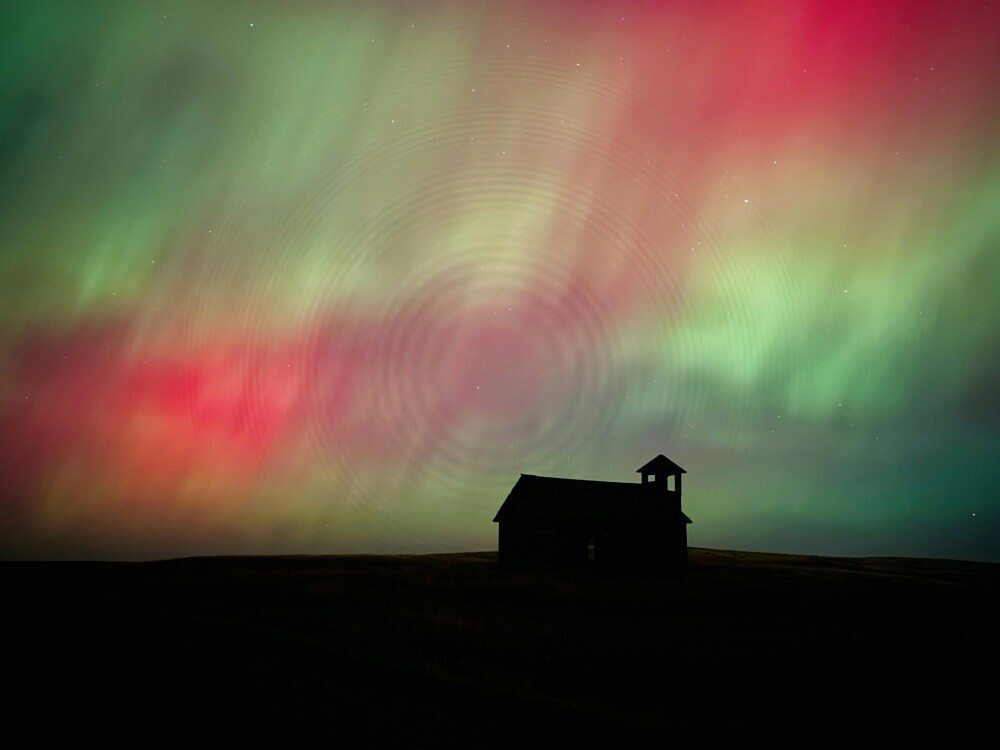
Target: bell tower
[(663, 477)]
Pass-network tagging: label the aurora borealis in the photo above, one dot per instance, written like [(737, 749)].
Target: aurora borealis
[(326, 277)]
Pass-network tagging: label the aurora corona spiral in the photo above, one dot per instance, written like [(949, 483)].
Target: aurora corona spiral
[(327, 277)]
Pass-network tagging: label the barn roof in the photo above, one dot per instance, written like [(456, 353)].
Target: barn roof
[(661, 465), (585, 499)]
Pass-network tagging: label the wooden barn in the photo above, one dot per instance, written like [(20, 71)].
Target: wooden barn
[(550, 522)]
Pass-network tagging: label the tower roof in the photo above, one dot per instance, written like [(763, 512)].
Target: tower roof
[(661, 465)]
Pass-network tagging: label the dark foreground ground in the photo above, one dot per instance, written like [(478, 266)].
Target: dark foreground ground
[(446, 651)]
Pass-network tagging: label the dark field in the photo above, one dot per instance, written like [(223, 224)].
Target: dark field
[(445, 650)]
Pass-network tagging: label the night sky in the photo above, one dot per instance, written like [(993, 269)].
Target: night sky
[(316, 277)]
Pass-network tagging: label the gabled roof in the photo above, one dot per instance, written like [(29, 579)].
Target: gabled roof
[(584, 499), (660, 466)]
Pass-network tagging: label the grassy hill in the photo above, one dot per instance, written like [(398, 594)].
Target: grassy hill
[(445, 650)]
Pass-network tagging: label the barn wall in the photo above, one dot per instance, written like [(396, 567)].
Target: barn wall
[(527, 544), (540, 543), (642, 547)]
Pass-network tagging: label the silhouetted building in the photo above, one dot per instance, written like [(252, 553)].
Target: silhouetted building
[(549, 522)]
